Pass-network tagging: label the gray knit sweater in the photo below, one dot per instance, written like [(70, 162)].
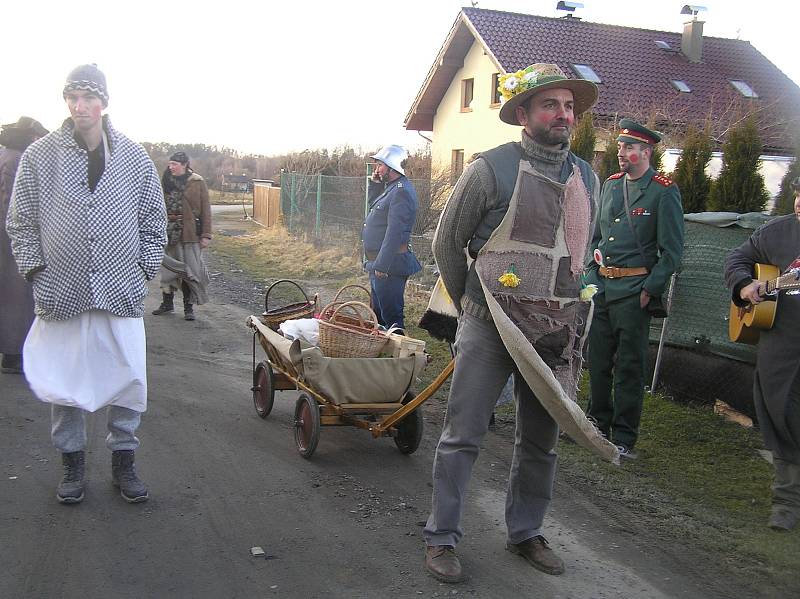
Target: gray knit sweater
[(474, 195)]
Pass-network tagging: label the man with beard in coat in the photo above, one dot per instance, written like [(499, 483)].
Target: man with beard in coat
[(15, 292), (523, 212), (188, 233), (776, 388)]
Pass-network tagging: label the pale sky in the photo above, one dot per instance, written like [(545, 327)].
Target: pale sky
[(270, 77)]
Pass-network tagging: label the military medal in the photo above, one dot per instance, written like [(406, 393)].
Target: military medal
[(598, 257)]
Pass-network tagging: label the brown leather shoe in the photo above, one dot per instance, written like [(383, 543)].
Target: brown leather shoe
[(538, 554), (441, 562)]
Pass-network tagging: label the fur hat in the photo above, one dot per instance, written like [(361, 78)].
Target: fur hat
[(179, 157), (517, 87), (21, 134), (88, 77), (26, 123)]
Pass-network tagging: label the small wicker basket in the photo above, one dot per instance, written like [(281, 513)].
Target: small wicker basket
[(350, 330), (360, 289), (275, 316)]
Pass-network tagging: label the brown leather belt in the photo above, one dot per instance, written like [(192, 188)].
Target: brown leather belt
[(617, 272), (372, 255)]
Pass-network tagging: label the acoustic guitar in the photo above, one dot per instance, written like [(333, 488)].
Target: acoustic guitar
[(746, 322)]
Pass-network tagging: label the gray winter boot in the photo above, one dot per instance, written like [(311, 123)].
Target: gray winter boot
[(188, 311), (167, 304), (70, 489), (123, 475)]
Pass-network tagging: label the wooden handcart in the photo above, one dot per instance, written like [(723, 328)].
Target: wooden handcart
[(283, 369)]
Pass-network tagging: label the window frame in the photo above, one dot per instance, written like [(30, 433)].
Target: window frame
[(467, 84), (496, 98), (456, 164)]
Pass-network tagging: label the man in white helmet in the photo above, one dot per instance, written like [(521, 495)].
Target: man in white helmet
[(386, 235)]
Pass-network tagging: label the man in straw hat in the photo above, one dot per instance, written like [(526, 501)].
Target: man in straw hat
[(523, 212), (88, 229), (636, 246), (776, 385), (387, 233)]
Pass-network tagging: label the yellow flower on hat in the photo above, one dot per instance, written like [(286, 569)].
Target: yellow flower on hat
[(510, 278)]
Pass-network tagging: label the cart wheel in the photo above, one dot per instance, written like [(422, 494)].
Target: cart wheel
[(306, 425), (263, 389), (409, 430)]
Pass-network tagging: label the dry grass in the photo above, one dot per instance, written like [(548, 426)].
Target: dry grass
[(273, 253)]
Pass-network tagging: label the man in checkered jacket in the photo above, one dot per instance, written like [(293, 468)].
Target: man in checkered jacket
[(88, 229)]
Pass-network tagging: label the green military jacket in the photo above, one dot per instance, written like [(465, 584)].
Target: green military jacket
[(657, 216)]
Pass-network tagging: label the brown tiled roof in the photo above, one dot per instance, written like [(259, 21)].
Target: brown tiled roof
[(635, 72)]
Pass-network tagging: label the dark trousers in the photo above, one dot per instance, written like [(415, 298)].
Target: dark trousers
[(387, 299), (617, 358)]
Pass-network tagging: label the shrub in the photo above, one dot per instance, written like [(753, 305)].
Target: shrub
[(740, 187), (690, 171)]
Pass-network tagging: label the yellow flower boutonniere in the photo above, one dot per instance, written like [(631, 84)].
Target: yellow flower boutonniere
[(509, 278), (587, 292)]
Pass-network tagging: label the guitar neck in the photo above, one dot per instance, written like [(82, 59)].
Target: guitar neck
[(790, 280)]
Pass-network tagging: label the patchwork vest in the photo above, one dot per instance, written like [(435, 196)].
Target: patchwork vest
[(532, 263)]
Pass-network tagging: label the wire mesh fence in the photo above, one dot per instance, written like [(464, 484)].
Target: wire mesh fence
[(331, 211), (698, 361)]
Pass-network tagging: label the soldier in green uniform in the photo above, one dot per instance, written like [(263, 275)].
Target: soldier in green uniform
[(636, 246)]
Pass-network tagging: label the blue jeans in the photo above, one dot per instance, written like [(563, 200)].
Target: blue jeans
[(388, 299)]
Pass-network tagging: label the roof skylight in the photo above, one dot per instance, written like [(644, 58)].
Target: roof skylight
[(584, 71), (743, 88)]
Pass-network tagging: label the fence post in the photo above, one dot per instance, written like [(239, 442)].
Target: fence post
[(319, 204), (292, 200), (366, 188), (662, 338)]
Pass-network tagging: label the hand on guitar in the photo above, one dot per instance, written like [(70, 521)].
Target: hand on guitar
[(752, 292)]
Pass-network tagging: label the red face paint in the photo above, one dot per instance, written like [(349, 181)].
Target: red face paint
[(633, 158)]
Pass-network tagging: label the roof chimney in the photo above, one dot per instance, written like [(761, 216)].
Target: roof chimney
[(692, 40)]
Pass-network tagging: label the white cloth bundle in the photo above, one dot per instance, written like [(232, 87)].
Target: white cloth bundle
[(306, 329)]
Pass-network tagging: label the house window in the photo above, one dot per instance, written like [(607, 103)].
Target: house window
[(495, 90), (743, 88), (467, 87), (681, 86), (584, 71), (456, 165)]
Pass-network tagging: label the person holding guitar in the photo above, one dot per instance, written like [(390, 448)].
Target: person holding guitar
[(776, 388)]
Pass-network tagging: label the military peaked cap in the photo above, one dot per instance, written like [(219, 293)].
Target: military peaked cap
[(632, 132)]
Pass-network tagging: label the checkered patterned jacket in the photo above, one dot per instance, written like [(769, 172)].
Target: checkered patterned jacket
[(87, 250)]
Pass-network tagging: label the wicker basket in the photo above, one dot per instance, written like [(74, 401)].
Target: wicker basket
[(359, 288), (350, 330), (347, 317), (273, 317)]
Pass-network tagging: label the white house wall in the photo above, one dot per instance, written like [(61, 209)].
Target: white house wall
[(475, 131)]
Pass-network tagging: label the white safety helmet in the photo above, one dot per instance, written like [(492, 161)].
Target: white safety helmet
[(392, 156)]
